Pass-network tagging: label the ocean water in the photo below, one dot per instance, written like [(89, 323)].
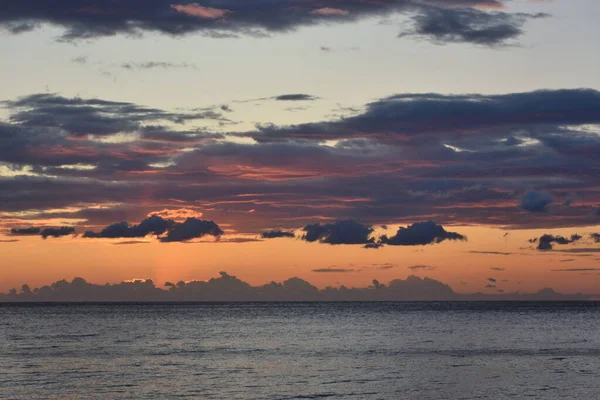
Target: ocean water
[(301, 351)]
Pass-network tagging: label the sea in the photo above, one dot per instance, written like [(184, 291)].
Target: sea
[(480, 350)]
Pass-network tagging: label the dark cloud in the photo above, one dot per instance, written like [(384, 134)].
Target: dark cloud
[(422, 268), (490, 286), (295, 97), (493, 280), (545, 241), (468, 25), (44, 233), (595, 237), (166, 229), (191, 228), (534, 201), (25, 231), (597, 211), (390, 163), (498, 269), (339, 232), (333, 270), (153, 225), (438, 20), (57, 232), (421, 233), (228, 287), (277, 234)]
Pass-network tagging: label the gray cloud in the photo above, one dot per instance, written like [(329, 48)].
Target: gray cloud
[(228, 287), (468, 25), (534, 201), (277, 234), (421, 233), (295, 97), (441, 21), (545, 241), (339, 232)]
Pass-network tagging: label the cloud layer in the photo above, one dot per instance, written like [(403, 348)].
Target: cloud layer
[(440, 21)]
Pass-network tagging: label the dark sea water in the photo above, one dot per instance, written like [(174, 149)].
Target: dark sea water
[(301, 351)]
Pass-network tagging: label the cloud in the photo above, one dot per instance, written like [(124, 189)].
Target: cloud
[(166, 229), (498, 269), (490, 286), (57, 232), (196, 10), (545, 241), (228, 287), (421, 233), (575, 269), (332, 270), (468, 25), (496, 253), (295, 97), (595, 237), (534, 201), (493, 280), (44, 233), (25, 231), (157, 64), (328, 11), (277, 234), (422, 267), (339, 232), (191, 228), (153, 225), (451, 20)]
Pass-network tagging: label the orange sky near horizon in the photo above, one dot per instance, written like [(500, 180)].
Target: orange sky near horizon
[(38, 262)]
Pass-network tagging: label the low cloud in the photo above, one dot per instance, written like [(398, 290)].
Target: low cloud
[(57, 232), (277, 234), (295, 97), (166, 229), (339, 232), (421, 233), (228, 287), (545, 241)]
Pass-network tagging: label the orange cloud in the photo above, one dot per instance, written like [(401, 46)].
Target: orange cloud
[(196, 10)]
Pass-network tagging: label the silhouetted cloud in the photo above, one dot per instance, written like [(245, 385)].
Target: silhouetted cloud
[(534, 201), (170, 230), (498, 269), (422, 267), (191, 228), (295, 97), (227, 287), (421, 233), (57, 232), (490, 286), (545, 241), (595, 237), (333, 270), (25, 231), (339, 232), (493, 280), (277, 234), (153, 225)]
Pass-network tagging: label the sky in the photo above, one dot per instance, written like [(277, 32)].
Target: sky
[(338, 141)]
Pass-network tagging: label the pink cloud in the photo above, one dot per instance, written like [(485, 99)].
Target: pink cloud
[(330, 11), (196, 10)]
